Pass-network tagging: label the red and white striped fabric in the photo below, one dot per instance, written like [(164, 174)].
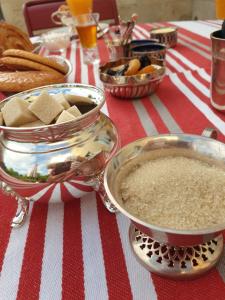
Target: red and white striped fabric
[(77, 250)]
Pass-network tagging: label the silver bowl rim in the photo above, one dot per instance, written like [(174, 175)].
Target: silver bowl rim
[(58, 85), (175, 29), (63, 60), (203, 231)]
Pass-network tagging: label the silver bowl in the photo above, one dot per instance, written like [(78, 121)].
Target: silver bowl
[(166, 251), (64, 62), (74, 152), (135, 86)]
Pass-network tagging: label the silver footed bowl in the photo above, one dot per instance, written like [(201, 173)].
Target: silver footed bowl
[(192, 146), (134, 86), (69, 156), (177, 254)]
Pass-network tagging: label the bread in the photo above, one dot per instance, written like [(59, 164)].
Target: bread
[(11, 37), (20, 64), (36, 58), (25, 80)]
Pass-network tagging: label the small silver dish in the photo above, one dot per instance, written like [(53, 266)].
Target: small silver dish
[(62, 61), (165, 35), (135, 86)]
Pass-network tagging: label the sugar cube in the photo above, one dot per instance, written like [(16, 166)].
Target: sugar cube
[(65, 116), (73, 110), (61, 99), (45, 107), (16, 112)]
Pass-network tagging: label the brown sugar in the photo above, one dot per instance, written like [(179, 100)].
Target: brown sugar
[(175, 192)]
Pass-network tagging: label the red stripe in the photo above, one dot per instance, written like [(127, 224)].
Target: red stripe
[(129, 124), (208, 287), (91, 78), (115, 266), (66, 196), (190, 119), (30, 276), (8, 206), (123, 113), (160, 125), (73, 272)]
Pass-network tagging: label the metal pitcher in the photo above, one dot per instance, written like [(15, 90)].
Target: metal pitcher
[(218, 71)]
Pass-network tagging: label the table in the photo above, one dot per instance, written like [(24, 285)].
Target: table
[(76, 250)]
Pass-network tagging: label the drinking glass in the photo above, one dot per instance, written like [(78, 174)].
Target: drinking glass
[(86, 26), (220, 9), (80, 7)]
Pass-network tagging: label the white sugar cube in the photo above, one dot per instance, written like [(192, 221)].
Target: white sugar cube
[(62, 100), (73, 110), (16, 113), (45, 107), (65, 116)]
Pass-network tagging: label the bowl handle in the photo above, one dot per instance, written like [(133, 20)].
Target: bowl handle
[(100, 189), (210, 133), (23, 205)]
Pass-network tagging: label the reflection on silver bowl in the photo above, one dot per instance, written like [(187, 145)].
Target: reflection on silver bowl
[(68, 156), (134, 86), (169, 252)]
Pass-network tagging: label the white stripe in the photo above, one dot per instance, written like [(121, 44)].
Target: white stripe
[(183, 59), (72, 60), (204, 75), (56, 195), (176, 66), (41, 193), (197, 84), (204, 108), (196, 27), (84, 69), (51, 275), (12, 264), (94, 272), (74, 191), (141, 283)]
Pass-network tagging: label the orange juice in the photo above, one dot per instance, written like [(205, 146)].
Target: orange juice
[(79, 7), (220, 9), (87, 35)]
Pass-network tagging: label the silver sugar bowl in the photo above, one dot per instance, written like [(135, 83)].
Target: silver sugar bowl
[(71, 155), (173, 253)]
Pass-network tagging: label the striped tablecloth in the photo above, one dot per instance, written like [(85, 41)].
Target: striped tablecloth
[(77, 250)]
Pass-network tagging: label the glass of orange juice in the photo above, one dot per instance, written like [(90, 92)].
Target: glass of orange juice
[(220, 9), (86, 26), (80, 7)]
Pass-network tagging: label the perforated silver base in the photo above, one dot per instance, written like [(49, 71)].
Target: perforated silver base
[(175, 262)]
